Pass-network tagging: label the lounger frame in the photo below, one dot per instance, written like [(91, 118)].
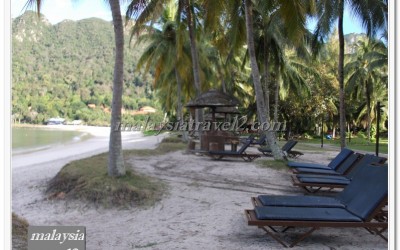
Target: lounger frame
[(372, 225), (245, 156), (314, 187)]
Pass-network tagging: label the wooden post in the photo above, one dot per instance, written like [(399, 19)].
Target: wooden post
[(378, 120), (322, 132)]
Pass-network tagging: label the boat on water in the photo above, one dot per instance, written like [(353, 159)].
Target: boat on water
[(56, 121)]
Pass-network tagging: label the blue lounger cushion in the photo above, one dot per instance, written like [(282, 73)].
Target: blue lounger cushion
[(296, 164), (366, 160), (314, 180), (344, 166), (299, 201), (334, 164), (367, 197), (304, 214), (368, 188)]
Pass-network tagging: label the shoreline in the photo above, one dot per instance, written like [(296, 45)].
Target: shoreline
[(84, 133), (93, 130)]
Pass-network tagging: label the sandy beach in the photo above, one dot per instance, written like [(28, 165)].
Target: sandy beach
[(203, 208)]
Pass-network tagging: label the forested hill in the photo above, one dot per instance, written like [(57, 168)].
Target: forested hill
[(58, 70)]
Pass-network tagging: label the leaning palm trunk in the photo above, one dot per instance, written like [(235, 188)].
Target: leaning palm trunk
[(266, 78), (342, 110), (193, 49), (276, 107), (276, 151), (116, 165), (195, 60)]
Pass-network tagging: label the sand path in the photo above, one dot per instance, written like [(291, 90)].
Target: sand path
[(202, 210)]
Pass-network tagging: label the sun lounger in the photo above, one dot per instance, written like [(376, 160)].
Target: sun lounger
[(287, 149), (217, 155), (333, 165), (360, 211), (253, 141), (314, 182), (341, 169), (361, 183), (249, 138)]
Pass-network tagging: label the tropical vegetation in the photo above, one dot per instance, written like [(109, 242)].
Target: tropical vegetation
[(261, 52)]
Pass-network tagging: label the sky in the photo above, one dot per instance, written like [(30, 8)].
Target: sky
[(58, 10)]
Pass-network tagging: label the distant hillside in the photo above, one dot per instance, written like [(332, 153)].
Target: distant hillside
[(350, 40), (58, 70)]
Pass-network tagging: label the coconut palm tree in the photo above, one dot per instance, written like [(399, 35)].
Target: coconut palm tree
[(367, 75), (166, 55), (372, 13), (277, 153), (144, 11), (294, 15), (272, 38), (116, 165)]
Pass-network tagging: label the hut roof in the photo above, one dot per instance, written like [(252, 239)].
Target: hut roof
[(213, 98)]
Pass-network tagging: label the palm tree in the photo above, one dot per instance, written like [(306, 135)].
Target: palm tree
[(167, 54), (277, 153), (273, 38), (116, 165), (146, 10), (373, 14), (367, 75), (149, 10), (293, 13)]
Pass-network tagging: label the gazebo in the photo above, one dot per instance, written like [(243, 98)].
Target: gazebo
[(218, 102)]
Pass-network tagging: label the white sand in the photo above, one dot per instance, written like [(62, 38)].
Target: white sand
[(204, 208)]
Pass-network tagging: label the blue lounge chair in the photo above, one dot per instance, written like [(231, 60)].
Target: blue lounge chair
[(358, 184), (287, 149), (314, 182), (341, 169), (333, 165), (360, 211), (217, 155)]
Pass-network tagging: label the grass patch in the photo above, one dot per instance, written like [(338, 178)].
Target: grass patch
[(167, 145), (152, 132), (274, 164), (356, 143), (88, 180), (383, 148), (19, 232)]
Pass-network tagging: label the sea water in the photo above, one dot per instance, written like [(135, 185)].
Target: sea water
[(29, 139)]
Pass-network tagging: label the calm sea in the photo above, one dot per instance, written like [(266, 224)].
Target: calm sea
[(30, 139)]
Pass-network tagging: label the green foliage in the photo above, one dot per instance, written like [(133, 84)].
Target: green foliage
[(57, 70)]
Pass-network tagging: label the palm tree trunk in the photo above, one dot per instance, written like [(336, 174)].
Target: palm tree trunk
[(195, 61), (223, 85), (342, 111), (276, 151), (193, 49), (179, 110), (276, 107), (116, 165), (266, 78)]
